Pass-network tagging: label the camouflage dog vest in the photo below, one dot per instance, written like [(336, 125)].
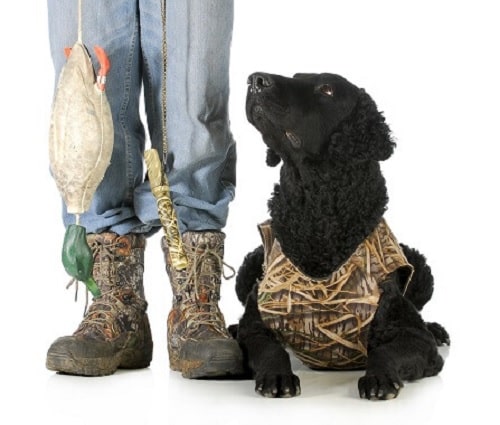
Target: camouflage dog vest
[(326, 321)]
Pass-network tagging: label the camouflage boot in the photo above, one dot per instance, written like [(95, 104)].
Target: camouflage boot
[(199, 344), (115, 331)]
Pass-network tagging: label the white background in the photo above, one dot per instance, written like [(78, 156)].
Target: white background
[(432, 67)]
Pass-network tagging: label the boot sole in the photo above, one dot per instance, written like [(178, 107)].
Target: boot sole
[(217, 367), (129, 358), (206, 360)]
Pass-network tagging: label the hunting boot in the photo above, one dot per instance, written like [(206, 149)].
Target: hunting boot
[(199, 344), (115, 330)]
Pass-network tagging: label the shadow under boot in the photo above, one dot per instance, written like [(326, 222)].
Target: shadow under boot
[(199, 344), (114, 332)]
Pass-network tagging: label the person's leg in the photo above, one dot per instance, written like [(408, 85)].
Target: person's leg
[(113, 25), (201, 150), (115, 330), (201, 171)]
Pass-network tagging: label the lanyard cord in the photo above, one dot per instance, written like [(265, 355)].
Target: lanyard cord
[(158, 175), (164, 84), (80, 37)]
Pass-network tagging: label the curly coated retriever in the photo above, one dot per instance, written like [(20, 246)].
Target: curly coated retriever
[(330, 281)]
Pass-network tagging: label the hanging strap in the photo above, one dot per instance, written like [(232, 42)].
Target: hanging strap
[(164, 84), (80, 36), (157, 173)]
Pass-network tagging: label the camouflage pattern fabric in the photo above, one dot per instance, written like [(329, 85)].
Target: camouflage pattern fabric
[(199, 344), (118, 271), (196, 290), (115, 331), (326, 321)]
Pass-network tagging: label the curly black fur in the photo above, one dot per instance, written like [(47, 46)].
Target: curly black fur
[(343, 202), (330, 137), (421, 285), (250, 274)]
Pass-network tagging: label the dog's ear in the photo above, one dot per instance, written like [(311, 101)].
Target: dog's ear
[(272, 158), (364, 134)]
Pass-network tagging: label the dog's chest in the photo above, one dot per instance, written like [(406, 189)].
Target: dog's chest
[(326, 321)]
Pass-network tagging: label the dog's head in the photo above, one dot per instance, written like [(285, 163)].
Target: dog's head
[(316, 116)]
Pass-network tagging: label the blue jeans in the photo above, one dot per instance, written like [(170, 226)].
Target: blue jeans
[(201, 150)]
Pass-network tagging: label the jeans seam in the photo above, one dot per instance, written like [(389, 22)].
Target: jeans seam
[(123, 108), (151, 112)]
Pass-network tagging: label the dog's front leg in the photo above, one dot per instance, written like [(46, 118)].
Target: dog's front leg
[(266, 357), (400, 347)]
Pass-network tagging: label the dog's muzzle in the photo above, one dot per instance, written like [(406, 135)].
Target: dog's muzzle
[(258, 82)]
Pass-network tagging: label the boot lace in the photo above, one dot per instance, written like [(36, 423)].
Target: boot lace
[(204, 309), (100, 319), (113, 313), (98, 249)]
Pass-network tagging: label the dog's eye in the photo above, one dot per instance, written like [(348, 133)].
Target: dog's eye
[(326, 89)]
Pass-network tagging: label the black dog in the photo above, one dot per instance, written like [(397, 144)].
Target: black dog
[(330, 280)]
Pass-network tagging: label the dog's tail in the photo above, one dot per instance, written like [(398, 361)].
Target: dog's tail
[(421, 285)]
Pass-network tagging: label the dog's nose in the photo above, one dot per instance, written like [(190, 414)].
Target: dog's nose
[(259, 81)]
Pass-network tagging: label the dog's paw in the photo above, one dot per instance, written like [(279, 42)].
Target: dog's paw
[(439, 333), (273, 386), (383, 386)]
